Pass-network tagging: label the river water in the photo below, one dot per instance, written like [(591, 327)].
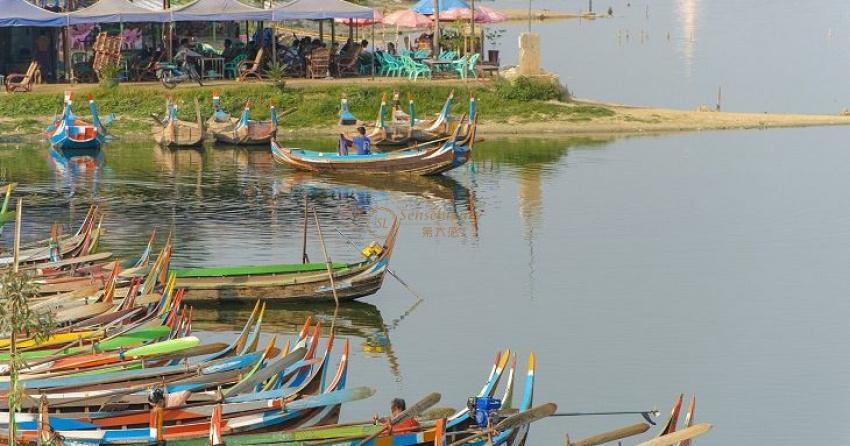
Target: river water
[(710, 263), (635, 268)]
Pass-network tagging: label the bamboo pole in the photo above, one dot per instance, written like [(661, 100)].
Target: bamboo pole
[(327, 258), (304, 257), (13, 347)]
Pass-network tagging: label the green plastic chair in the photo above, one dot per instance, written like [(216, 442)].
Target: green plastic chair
[(459, 65), (415, 69), (395, 66), (232, 67), (473, 62)]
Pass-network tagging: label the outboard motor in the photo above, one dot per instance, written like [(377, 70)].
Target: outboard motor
[(483, 409)]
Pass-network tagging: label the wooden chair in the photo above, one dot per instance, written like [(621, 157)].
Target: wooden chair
[(348, 63), (23, 82), (318, 65), (252, 68)]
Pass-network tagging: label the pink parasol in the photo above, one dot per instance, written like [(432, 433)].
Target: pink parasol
[(482, 15), (407, 19), (460, 14), (376, 18), (492, 15)]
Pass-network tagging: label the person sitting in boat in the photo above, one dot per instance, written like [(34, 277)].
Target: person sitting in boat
[(397, 406)]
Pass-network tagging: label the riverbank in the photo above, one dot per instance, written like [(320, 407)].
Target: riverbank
[(524, 108)]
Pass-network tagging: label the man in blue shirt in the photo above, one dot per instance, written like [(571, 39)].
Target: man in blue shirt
[(362, 142)]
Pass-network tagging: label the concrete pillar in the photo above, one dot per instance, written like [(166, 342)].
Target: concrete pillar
[(529, 54)]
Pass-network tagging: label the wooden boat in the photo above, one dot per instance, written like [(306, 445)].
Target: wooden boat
[(405, 129), (69, 133), (82, 243), (280, 407), (220, 120), (453, 428), (173, 132), (307, 281), (431, 159), (247, 131)]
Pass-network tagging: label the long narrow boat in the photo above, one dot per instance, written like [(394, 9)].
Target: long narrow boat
[(173, 132), (69, 133), (247, 131), (433, 159), (308, 281)]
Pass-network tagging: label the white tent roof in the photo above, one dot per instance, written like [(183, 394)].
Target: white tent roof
[(321, 9), (24, 13), (219, 10), (113, 11)]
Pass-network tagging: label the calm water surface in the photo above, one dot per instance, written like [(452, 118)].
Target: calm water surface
[(636, 268), (776, 56)]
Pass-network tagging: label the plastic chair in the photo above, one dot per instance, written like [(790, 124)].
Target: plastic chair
[(473, 62), (459, 66), (415, 69), (394, 66), (231, 69)]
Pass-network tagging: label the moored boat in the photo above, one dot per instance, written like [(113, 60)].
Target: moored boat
[(246, 131), (174, 132), (299, 281), (69, 133), (428, 159)]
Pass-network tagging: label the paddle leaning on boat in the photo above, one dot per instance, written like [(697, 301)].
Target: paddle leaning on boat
[(69, 134), (432, 158)]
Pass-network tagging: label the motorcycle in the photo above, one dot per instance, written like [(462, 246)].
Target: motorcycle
[(171, 74)]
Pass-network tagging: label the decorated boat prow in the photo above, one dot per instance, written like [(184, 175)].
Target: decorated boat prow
[(69, 133), (248, 131), (170, 131)]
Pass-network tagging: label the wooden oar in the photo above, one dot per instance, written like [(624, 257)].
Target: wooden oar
[(392, 273), (427, 143), (614, 435), (421, 406), (682, 435), (646, 414), (522, 418)]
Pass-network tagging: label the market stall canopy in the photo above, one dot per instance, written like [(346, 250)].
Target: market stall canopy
[(320, 10), (115, 11), (427, 6), (219, 11), (24, 13)]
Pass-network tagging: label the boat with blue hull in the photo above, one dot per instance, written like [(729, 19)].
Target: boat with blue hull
[(426, 159), (70, 134)]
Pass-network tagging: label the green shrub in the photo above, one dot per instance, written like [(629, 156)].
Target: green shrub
[(527, 89)]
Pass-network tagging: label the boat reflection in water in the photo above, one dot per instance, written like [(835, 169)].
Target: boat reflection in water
[(402, 194), (73, 171), (359, 320)]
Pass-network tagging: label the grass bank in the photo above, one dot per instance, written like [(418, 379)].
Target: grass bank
[(523, 108), (316, 104)]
